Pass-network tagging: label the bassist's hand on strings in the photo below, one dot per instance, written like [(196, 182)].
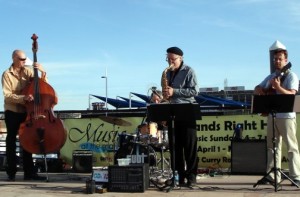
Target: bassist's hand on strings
[(28, 98), (39, 67)]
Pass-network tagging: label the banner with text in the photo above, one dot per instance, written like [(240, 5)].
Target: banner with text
[(214, 138)]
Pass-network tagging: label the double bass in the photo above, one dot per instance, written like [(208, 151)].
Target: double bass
[(42, 132)]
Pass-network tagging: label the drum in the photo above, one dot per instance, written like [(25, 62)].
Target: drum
[(153, 129), (138, 154), (145, 139), (147, 132), (161, 139)]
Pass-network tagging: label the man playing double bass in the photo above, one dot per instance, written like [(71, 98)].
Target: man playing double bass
[(14, 80)]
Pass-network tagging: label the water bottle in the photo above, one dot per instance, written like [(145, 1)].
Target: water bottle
[(176, 177)]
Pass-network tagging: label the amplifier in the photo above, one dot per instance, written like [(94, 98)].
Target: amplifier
[(249, 157), (82, 161), (132, 178)]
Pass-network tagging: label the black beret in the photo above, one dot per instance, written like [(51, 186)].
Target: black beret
[(175, 50)]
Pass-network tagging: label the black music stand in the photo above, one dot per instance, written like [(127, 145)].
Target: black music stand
[(272, 104), (172, 112)]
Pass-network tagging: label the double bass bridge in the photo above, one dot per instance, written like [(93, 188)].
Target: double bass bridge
[(39, 116)]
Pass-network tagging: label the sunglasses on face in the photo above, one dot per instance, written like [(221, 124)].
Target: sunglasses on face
[(22, 59)]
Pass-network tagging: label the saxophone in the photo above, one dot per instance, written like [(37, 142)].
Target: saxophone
[(164, 82)]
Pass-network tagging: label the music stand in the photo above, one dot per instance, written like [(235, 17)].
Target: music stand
[(272, 104), (172, 112)]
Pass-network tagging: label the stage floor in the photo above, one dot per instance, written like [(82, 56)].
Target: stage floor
[(74, 184)]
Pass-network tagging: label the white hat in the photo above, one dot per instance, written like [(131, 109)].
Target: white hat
[(277, 45)]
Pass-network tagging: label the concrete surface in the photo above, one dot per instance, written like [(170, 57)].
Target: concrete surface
[(74, 184)]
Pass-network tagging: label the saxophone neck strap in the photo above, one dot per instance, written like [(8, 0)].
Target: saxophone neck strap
[(173, 74)]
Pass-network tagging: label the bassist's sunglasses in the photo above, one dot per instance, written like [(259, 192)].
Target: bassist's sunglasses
[(22, 59)]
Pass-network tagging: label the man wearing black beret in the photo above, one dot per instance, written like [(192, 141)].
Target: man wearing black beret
[(179, 85), (175, 50)]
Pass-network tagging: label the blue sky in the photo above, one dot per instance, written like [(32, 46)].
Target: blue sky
[(80, 39)]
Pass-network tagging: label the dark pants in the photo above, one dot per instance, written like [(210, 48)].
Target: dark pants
[(13, 121), (185, 147)]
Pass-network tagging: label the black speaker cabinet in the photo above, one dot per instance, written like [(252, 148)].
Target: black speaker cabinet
[(249, 157), (82, 161), (132, 178)]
